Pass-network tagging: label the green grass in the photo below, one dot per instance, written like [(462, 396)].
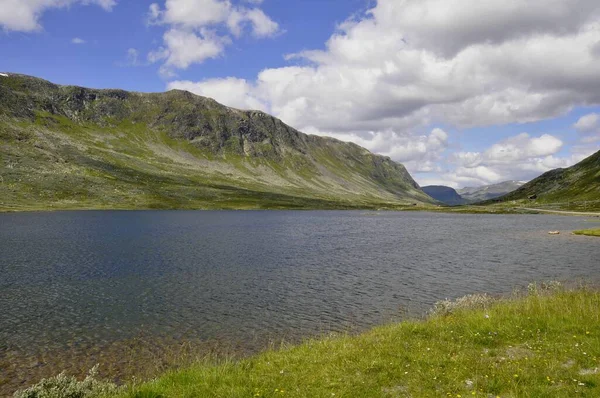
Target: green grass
[(541, 345), (588, 232)]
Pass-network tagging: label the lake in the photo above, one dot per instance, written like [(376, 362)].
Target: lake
[(125, 289)]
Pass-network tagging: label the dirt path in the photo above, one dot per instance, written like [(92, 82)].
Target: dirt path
[(577, 213)]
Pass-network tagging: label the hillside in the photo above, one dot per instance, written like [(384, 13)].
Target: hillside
[(444, 194), (70, 147), (486, 192), (576, 187)]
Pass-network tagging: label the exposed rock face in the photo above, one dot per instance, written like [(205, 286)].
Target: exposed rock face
[(259, 152)]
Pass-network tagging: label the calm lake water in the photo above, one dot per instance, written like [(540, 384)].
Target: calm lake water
[(78, 288)]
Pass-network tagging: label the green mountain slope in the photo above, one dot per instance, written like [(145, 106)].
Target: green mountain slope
[(575, 187), (444, 194), (72, 147)]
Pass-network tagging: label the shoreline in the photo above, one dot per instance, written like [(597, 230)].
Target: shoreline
[(541, 341), (404, 208)]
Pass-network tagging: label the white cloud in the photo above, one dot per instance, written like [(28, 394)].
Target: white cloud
[(449, 26), (195, 29), (77, 40), (521, 157), (184, 48), (24, 15), (522, 147), (192, 13), (232, 91), (588, 123), (260, 24), (407, 66)]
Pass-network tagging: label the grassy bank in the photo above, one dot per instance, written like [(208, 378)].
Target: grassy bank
[(540, 345), (588, 232), (544, 344)]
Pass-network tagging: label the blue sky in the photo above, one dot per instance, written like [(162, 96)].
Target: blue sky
[(462, 95)]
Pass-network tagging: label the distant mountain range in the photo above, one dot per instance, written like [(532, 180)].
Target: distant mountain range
[(470, 195), (73, 147), (444, 194), (579, 183), (486, 192)]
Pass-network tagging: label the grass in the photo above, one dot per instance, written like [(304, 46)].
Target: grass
[(540, 345), (588, 232)]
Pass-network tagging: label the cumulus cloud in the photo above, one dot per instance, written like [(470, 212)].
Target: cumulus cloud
[(449, 26), (522, 147), (385, 71), (183, 48), (521, 157), (197, 30), (24, 15), (588, 123), (407, 66)]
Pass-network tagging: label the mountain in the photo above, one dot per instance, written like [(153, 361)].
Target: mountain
[(574, 187), (444, 194), (73, 147), (486, 192)]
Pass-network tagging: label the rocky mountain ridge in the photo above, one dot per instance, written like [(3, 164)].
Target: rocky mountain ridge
[(206, 153)]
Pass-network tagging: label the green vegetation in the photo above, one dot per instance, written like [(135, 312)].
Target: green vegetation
[(588, 232), (542, 344), (76, 148), (576, 188)]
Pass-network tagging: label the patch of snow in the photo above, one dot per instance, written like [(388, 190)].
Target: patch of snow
[(3, 75)]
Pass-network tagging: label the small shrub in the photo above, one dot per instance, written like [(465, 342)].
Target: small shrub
[(63, 386), (545, 287), (471, 301)]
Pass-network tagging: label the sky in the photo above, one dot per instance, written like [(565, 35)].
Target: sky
[(462, 93)]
